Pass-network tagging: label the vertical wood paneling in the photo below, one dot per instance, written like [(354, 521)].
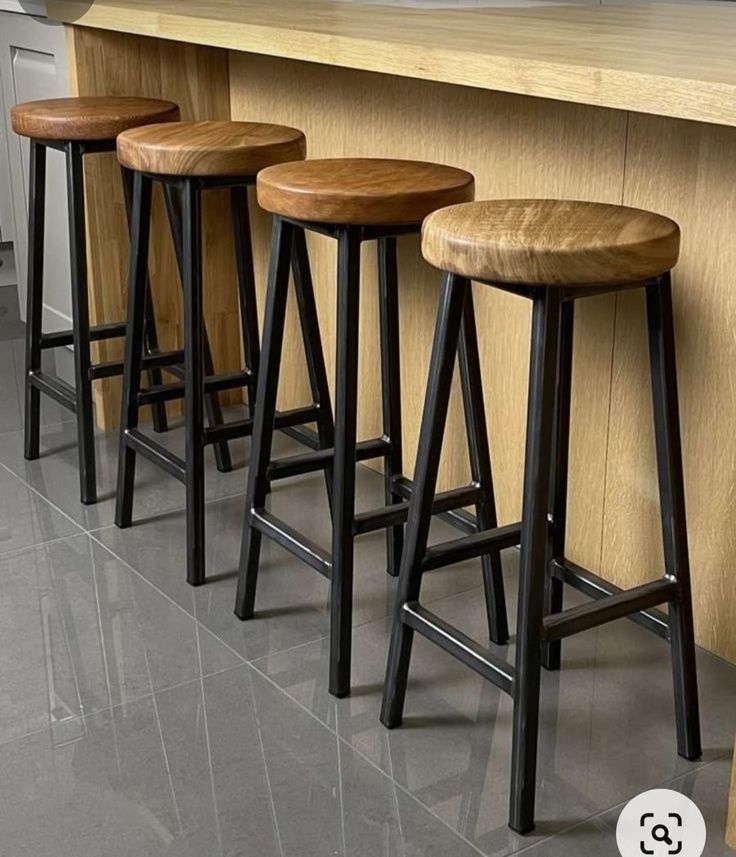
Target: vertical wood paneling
[(686, 171), (516, 147), (196, 78)]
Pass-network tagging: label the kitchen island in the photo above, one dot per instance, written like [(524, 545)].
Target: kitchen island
[(632, 105)]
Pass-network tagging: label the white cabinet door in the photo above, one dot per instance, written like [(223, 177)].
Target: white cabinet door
[(33, 65)]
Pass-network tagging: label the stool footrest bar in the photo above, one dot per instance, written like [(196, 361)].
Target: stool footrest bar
[(459, 645), (470, 547), (156, 453), (309, 462), (593, 586), (150, 361), (56, 389), (461, 519), (291, 540), (617, 606), (213, 384), (378, 519), (61, 338), (244, 428)]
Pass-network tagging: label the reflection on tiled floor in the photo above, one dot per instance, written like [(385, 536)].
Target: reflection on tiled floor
[(139, 717)]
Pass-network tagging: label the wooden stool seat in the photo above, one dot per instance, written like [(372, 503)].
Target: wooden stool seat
[(222, 149), (362, 191), (551, 242), (89, 118)]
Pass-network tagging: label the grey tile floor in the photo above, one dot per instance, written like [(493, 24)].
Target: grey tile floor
[(139, 717)]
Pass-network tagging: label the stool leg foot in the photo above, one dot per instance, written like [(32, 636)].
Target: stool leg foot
[(482, 474), (533, 558), (211, 400), (434, 419), (134, 343), (34, 309), (195, 362), (265, 412), (309, 321), (388, 279), (80, 324), (346, 412), (155, 376), (674, 524), (556, 531)]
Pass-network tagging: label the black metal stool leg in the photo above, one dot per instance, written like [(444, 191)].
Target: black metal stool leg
[(532, 570), (80, 323), (313, 351), (553, 588), (137, 291), (194, 376), (482, 474), (346, 411), (211, 400), (246, 283), (265, 411), (158, 411), (674, 527), (434, 418), (388, 279), (34, 309)]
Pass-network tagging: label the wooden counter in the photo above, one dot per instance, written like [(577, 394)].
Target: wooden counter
[(632, 105), (667, 60)]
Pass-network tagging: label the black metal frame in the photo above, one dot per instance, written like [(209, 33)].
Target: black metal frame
[(197, 382), (337, 565), (542, 621), (77, 399)]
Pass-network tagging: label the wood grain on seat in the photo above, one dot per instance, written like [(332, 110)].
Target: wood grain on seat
[(365, 191), (89, 118), (551, 242), (209, 148)]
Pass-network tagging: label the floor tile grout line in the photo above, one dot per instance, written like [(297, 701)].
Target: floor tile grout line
[(106, 709), (614, 807), (165, 595), (7, 554), (369, 761), (45, 499), (610, 808)]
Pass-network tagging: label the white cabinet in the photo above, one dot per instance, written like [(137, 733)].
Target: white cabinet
[(33, 64)]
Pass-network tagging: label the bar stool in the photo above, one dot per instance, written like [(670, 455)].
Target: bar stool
[(357, 200), (553, 253), (188, 159), (77, 127)]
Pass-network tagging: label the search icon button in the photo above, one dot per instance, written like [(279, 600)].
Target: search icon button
[(660, 833)]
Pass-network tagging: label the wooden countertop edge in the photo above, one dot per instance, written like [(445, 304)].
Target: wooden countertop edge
[(655, 94)]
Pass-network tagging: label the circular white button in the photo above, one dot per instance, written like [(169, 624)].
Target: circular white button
[(661, 823)]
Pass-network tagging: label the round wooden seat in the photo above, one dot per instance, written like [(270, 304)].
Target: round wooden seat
[(209, 148), (89, 118), (550, 242), (362, 191)]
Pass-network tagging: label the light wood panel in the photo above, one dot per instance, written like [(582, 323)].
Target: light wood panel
[(688, 172), (196, 78), (608, 56), (514, 146)]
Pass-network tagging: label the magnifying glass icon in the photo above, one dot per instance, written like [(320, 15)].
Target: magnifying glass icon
[(660, 833)]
